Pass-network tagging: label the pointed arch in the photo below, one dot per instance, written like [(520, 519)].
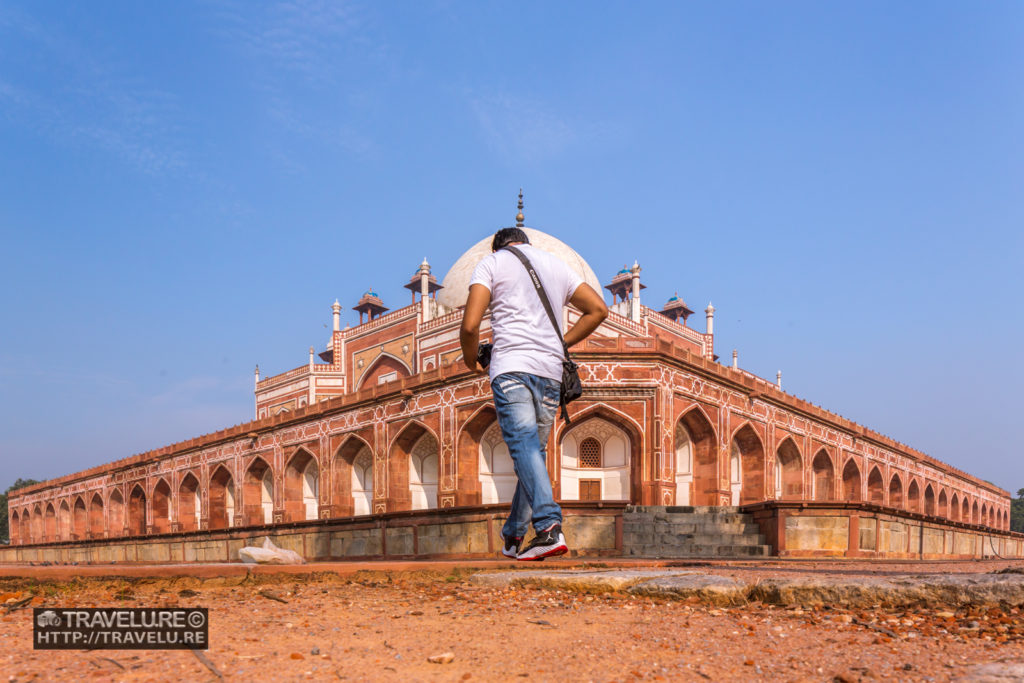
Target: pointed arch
[(399, 462), (38, 525), (26, 529), (984, 515), (954, 508), (475, 461), (851, 481), (301, 487), (876, 486), (137, 520), (97, 528), (747, 465), (349, 469), (115, 513), (596, 460), (258, 492), (943, 505), (703, 440), (64, 521), (189, 506), (789, 471), (626, 483), (975, 513), (896, 491), (161, 506), (49, 524), (79, 519), (929, 499), (15, 527), (823, 476), (383, 366), (914, 496), (965, 510), (222, 499)]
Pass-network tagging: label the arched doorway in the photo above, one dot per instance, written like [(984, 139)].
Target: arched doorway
[(189, 503), (474, 483), (79, 519), (929, 500), (413, 469), (789, 480), (15, 522), (258, 493), (50, 524), (301, 487), (115, 512), (896, 492), (596, 461), (137, 511), (161, 507), (497, 476), (965, 510), (64, 521), (222, 499), (943, 506), (975, 514), (876, 489), (746, 467), (704, 479), (96, 525), (37, 525), (824, 477), (914, 497), (851, 481), (954, 508)]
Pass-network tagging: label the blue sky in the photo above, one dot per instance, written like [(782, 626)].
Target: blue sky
[(186, 187)]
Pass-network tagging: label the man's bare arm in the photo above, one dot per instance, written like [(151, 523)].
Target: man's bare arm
[(594, 312), (469, 335)]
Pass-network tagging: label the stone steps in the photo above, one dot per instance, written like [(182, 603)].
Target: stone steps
[(690, 531)]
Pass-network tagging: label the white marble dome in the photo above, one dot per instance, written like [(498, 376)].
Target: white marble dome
[(456, 281)]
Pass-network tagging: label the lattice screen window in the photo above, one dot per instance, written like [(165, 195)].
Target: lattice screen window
[(590, 453)]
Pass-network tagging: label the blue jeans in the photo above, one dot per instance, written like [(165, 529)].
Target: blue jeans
[(526, 405)]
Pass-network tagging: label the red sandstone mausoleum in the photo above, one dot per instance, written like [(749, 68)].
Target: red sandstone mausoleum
[(384, 445)]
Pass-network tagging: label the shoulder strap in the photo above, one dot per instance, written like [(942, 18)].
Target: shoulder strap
[(541, 293)]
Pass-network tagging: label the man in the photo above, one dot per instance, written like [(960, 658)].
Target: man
[(526, 373)]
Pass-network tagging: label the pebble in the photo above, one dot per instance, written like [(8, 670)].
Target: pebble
[(443, 658)]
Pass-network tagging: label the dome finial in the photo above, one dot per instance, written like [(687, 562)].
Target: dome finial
[(519, 216)]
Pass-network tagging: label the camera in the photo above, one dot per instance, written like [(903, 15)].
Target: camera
[(483, 354)]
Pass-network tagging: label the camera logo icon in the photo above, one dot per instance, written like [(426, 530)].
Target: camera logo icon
[(48, 618)]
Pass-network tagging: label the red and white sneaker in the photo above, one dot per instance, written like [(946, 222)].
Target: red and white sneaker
[(547, 543), (511, 545)]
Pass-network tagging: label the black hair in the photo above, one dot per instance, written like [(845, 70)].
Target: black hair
[(507, 236)]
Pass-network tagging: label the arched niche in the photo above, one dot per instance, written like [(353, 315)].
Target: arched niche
[(353, 478), (96, 521), (929, 500), (79, 519), (595, 461), (161, 506), (49, 524), (406, 475), (851, 481), (823, 477), (896, 491), (876, 487), (15, 527), (704, 457), (258, 492), (301, 487), (222, 499), (914, 496), (137, 511), (115, 514), (424, 468), (471, 480), (746, 467), (361, 481), (942, 507), (789, 471), (64, 521), (189, 503), (954, 508), (497, 477)]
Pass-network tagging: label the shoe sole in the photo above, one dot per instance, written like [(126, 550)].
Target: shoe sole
[(557, 550), (513, 555)]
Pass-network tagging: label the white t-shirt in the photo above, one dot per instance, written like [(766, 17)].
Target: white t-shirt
[(524, 339)]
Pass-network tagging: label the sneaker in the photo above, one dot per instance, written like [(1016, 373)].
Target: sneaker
[(512, 544), (547, 543)]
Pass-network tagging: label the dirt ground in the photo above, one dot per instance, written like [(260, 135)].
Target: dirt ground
[(384, 625)]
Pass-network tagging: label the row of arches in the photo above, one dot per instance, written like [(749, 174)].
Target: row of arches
[(598, 458), (695, 473)]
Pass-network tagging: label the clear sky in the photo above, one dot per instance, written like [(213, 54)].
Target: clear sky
[(186, 187)]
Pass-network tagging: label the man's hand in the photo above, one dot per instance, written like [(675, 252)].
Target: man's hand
[(469, 335), (594, 312)]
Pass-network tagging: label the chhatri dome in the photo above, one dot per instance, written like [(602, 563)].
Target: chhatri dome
[(456, 282)]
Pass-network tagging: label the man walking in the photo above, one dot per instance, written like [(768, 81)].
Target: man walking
[(526, 372)]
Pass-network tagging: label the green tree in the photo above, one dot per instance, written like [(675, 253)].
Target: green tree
[(5, 536), (1017, 512)]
